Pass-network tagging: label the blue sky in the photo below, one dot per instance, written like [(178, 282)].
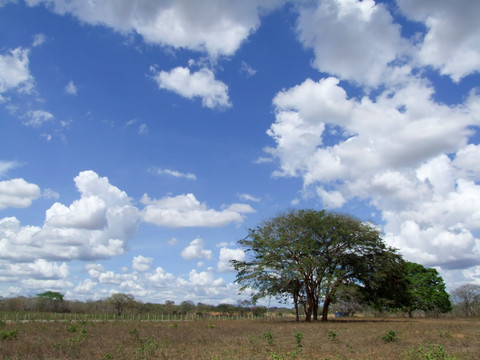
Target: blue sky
[(140, 140)]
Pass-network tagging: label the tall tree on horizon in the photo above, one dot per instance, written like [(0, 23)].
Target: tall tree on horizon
[(306, 255)]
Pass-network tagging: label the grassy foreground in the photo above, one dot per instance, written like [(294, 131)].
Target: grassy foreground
[(430, 339)]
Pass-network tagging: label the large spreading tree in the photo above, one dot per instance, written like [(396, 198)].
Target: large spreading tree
[(307, 255)]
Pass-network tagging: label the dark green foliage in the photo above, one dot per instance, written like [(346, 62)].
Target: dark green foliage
[(51, 295), (9, 335), (72, 328), (390, 336), (426, 290)]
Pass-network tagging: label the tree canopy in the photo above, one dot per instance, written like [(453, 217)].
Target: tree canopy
[(426, 290), (51, 295), (307, 255), (121, 301)]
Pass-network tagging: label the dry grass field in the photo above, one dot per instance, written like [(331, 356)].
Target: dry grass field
[(429, 339)]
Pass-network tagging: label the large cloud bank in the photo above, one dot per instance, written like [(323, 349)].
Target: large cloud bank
[(396, 148)]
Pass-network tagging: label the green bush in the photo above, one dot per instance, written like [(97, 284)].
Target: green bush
[(9, 335), (390, 336), (72, 328), (428, 352), (268, 336), (332, 335)]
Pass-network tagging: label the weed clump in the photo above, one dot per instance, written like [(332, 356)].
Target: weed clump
[(268, 337), (332, 335), (72, 328), (390, 336), (428, 352), (9, 335)]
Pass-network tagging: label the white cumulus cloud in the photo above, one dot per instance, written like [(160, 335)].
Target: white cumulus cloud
[(392, 151), (187, 211), (15, 72), (226, 255), (355, 40), (195, 250), (98, 225), (17, 193), (206, 26), (141, 263), (451, 43), (202, 84)]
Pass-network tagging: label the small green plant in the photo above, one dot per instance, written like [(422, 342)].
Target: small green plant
[(443, 333), (134, 334), (268, 336), (9, 335), (108, 356), (80, 337), (285, 356), (298, 339), (72, 328), (428, 352), (390, 336), (175, 324), (275, 356), (332, 335), (147, 348), (212, 326)]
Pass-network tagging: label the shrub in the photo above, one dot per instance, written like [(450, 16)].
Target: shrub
[(428, 352), (332, 335), (9, 335), (72, 328), (390, 336), (268, 336)]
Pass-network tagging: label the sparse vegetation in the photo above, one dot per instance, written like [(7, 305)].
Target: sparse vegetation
[(354, 338)]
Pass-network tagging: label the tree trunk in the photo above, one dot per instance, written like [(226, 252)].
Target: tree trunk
[(326, 304), (295, 301), (410, 312), (315, 310), (310, 307)]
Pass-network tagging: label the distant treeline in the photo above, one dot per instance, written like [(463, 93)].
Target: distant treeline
[(466, 302), (122, 304)]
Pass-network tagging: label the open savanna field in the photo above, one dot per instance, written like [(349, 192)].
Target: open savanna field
[(357, 338)]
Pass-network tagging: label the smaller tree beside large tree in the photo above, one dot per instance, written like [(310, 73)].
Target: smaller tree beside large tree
[(426, 290)]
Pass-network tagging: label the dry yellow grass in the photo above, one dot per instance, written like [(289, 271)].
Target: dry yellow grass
[(241, 339)]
